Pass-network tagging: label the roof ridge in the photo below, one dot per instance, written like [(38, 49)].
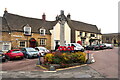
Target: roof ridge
[(84, 22), (26, 17)]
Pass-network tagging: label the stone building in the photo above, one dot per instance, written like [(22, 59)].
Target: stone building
[(19, 31), (74, 31), (112, 38)]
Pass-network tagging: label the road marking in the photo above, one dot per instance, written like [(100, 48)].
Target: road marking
[(41, 67), (3, 71), (60, 69), (49, 71), (71, 67)]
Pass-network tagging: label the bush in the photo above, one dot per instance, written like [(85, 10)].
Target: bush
[(65, 58)]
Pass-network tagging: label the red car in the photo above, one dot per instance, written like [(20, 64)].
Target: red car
[(15, 53)]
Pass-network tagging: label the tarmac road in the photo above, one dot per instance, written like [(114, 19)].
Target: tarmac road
[(106, 62), (106, 65), (21, 65)]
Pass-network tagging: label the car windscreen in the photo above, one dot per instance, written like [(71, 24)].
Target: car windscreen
[(77, 45), (31, 50), (42, 49), (16, 51)]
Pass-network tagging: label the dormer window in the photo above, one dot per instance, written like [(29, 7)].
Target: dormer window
[(42, 31), (27, 30)]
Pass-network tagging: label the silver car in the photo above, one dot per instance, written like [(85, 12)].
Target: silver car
[(29, 52)]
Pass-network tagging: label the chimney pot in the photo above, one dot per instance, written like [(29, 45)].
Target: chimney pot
[(69, 16), (62, 12), (44, 17), (5, 10)]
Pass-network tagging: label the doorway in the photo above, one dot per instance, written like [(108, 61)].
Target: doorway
[(32, 43)]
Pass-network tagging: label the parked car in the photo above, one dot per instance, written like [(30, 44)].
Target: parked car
[(2, 56), (102, 46), (109, 46), (15, 53), (92, 47), (29, 52), (42, 50), (77, 47)]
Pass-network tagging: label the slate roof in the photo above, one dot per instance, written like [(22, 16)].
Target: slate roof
[(111, 34), (77, 25), (17, 23)]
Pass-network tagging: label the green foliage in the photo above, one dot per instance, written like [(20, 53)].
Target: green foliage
[(65, 58)]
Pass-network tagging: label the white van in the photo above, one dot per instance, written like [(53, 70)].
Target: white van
[(77, 47)]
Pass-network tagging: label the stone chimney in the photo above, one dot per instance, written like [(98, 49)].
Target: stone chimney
[(5, 10), (57, 18), (44, 17), (62, 12), (100, 30), (68, 16)]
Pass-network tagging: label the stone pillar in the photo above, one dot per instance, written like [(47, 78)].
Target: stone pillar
[(62, 35), (62, 20)]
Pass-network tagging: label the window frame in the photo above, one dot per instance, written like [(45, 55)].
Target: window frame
[(44, 41), (24, 44), (92, 35), (81, 33), (43, 31), (86, 34), (6, 44), (29, 31)]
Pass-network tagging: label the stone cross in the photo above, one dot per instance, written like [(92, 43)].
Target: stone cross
[(62, 24)]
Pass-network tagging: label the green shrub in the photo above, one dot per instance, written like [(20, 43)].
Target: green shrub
[(65, 58)]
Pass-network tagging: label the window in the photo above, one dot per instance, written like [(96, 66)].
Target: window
[(92, 35), (107, 38), (85, 34), (80, 33), (22, 43), (27, 30), (42, 41), (6, 47), (42, 31)]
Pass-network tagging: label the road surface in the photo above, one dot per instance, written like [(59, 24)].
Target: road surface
[(106, 65), (106, 62)]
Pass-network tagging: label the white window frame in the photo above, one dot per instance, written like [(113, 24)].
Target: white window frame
[(28, 30), (42, 41), (80, 33), (41, 31), (7, 44), (20, 42)]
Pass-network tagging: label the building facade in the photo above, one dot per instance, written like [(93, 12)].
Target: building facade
[(74, 31), (19, 31), (112, 38)]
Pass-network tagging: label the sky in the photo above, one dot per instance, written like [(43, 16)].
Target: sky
[(102, 13)]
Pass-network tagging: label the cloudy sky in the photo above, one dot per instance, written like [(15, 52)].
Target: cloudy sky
[(103, 13)]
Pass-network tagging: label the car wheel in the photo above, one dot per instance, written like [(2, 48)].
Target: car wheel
[(8, 58), (27, 56), (82, 50), (93, 49), (21, 57)]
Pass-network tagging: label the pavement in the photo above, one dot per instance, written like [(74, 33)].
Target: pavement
[(79, 72), (106, 62)]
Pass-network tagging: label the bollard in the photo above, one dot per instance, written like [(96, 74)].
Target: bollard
[(39, 63), (90, 58)]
